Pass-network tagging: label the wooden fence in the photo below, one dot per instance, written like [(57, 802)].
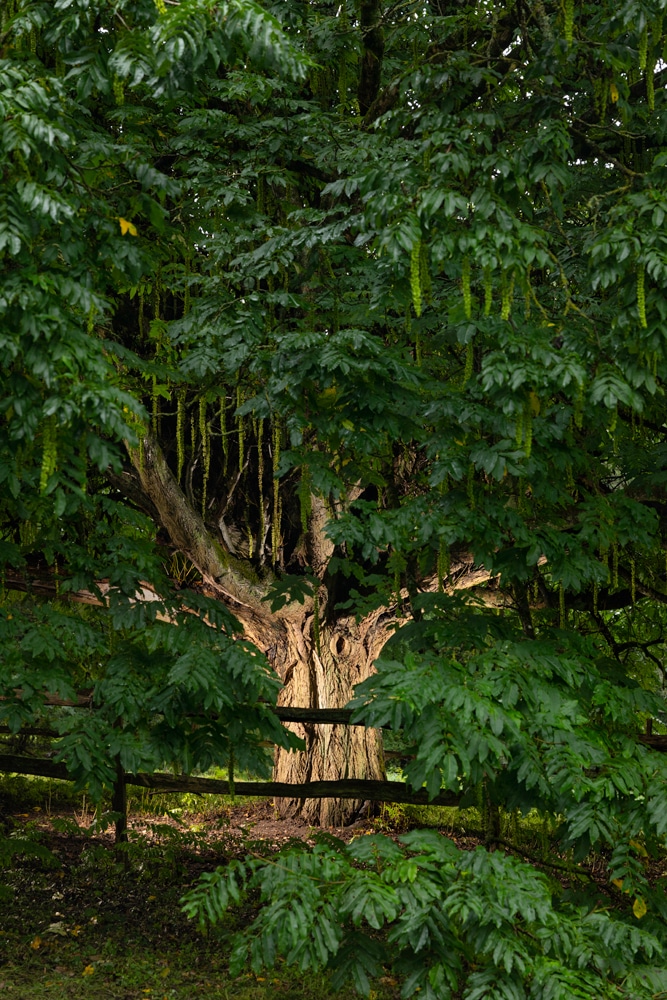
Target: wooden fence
[(349, 788)]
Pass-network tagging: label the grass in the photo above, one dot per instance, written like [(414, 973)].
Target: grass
[(93, 920), (107, 923)]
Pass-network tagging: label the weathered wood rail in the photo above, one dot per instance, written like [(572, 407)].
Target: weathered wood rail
[(374, 791)]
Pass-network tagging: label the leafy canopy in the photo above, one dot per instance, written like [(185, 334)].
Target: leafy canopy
[(406, 260)]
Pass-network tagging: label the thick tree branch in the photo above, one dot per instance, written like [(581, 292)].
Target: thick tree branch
[(229, 577)]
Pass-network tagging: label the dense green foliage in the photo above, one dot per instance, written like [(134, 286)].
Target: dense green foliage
[(443, 907), (407, 259), (73, 167)]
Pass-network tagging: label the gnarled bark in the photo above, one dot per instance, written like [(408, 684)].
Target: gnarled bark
[(232, 577), (319, 655), (324, 677)]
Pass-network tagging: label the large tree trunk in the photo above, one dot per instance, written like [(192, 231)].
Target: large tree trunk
[(319, 661), (317, 672), (325, 678)]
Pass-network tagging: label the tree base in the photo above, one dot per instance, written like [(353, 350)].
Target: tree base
[(332, 753)]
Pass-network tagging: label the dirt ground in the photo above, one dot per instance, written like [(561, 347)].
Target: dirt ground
[(93, 921)]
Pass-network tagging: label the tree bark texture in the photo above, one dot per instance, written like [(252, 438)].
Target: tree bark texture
[(318, 654), (322, 675), (376, 791)]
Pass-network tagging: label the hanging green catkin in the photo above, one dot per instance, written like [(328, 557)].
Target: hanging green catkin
[(465, 287), (641, 296), (49, 452), (643, 49), (193, 435), (415, 278), (656, 29), (259, 434), (28, 532), (426, 157), (424, 272), (180, 433), (527, 430), (239, 427), (118, 88), (595, 596), (275, 525), (316, 619), (604, 559), (6, 12), (90, 324), (326, 270), (650, 84), (613, 419), (562, 610), (518, 434), (633, 581), (305, 497), (488, 290), (568, 21), (507, 293), (205, 435)]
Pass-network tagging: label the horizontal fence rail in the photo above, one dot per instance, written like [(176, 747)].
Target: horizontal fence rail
[(359, 789), (348, 788)]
